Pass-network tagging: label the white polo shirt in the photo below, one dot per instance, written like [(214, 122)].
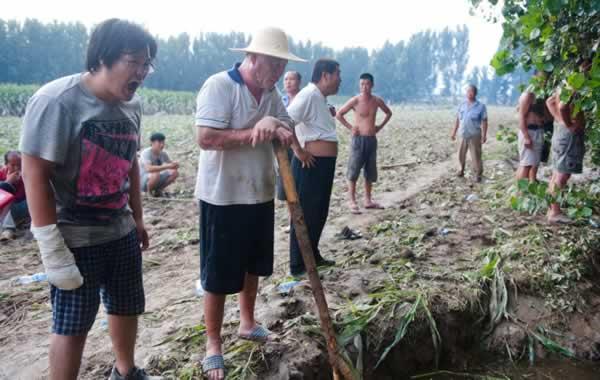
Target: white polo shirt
[(311, 113), (244, 175)]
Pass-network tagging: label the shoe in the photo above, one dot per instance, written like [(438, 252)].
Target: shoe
[(134, 374), (8, 235), (297, 273), (323, 262)]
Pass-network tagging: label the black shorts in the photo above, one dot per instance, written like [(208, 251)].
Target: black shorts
[(235, 240)]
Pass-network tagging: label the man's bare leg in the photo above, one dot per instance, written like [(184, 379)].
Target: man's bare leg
[(533, 174), (123, 333), (558, 181), (247, 303), (352, 191), (369, 203), (153, 179), (214, 308), (173, 174), (65, 356), (523, 172)]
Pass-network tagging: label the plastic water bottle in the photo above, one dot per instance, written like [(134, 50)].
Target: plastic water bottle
[(199, 290), (472, 198), (38, 277), (286, 287)]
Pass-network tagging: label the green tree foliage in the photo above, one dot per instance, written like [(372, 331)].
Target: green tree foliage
[(553, 36), (414, 70)]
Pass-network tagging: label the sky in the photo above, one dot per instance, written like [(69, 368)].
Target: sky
[(335, 23)]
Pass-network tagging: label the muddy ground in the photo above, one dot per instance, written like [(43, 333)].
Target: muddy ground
[(479, 288)]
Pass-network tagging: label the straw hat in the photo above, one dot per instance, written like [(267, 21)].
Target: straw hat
[(272, 42)]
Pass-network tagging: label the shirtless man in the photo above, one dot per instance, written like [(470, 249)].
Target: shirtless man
[(568, 146), (363, 149), (530, 135)]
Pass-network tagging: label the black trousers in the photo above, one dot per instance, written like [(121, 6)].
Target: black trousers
[(314, 192)]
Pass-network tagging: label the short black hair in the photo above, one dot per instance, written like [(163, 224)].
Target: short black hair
[(157, 136), (9, 154), (471, 85), (323, 65), (114, 37), (367, 76)]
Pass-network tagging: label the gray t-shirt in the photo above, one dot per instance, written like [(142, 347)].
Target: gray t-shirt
[(93, 145), (149, 158)]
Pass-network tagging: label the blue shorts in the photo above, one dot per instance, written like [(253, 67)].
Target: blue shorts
[(112, 271)]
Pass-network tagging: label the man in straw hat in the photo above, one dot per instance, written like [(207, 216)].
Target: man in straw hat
[(238, 114)]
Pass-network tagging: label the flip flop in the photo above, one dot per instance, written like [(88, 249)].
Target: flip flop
[(213, 362), (375, 206), (348, 234), (258, 334), (354, 209)]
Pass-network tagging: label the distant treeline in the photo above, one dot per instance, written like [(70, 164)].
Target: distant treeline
[(429, 67)]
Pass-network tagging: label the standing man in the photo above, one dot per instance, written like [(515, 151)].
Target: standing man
[(238, 115), (156, 168), (472, 125), (530, 135), (291, 85), (313, 165), (363, 149), (79, 143), (568, 146)]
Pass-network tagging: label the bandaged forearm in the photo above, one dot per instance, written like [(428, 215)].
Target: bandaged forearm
[(58, 260)]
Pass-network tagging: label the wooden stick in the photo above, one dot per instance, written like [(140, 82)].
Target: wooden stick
[(341, 369)]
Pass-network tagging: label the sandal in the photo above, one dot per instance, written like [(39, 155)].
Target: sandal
[(213, 362), (258, 334)]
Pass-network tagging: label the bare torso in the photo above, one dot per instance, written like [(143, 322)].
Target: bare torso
[(365, 113), (536, 111)]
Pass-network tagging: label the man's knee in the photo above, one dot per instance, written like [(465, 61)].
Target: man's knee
[(174, 173), (561, 179)]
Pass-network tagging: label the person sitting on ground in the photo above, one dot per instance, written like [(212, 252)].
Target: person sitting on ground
[(471, 125), (157, 169), (11, 181), (531, 134), (568, 146), (363, 149)]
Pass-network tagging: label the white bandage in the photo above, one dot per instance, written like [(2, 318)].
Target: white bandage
[(58, 260)]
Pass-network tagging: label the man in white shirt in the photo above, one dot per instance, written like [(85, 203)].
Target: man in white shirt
[(313, 165), (239, 113)]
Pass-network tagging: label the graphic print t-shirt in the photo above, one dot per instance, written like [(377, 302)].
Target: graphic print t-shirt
[(93, 144)]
